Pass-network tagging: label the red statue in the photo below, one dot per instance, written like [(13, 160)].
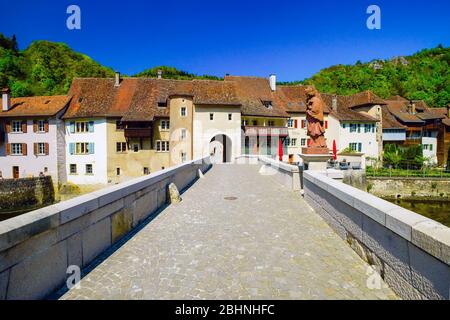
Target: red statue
[(314, 117)]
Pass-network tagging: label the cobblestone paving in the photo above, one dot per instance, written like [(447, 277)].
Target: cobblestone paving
[(266, 244)]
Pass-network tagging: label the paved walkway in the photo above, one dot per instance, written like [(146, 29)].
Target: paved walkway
[(266, 244)]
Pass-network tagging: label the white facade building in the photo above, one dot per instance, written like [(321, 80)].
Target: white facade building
[(86, 153)]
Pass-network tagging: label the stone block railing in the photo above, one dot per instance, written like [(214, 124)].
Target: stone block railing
[(285, 174), (37, 248), (410, 251)]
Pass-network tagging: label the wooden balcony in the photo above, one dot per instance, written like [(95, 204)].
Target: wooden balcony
[(265, 131), (138, 132)]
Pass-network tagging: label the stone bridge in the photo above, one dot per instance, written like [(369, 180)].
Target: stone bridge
[(242, 231)]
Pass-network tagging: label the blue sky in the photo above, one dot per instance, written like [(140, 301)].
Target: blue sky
[(293, 39)]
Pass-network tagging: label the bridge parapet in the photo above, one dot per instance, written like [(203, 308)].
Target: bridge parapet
[(410, 251), (37, 248)]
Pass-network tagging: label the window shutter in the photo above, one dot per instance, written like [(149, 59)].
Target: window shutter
[(24, 149), (303, 124), (35, 148), (8, 149), (295, 124), (91, 126), (71, 148), (359, 147), (46, 125), (8, 126), (35, 127), (72, 127), (91, 148), (46, 147), (326, 124), (24, 126)]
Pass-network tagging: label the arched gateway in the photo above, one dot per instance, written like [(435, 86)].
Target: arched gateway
[(220, 148)]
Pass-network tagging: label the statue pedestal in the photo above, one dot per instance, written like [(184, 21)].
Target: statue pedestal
[(315, 158)]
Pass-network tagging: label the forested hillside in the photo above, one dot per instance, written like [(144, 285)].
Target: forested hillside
[(424, 75)]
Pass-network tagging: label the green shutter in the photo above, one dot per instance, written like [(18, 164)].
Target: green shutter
[(91, 148), (91, 126), (72, 127), (72, 148)]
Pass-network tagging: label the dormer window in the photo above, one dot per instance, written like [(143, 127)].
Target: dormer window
[(267, 104), (162, 104)]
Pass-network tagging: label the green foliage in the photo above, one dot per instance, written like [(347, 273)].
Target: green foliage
[(44, 68), (426, 76), (404, 157), (173, 73)]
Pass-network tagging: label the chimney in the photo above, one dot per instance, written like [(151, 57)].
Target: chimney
[(273, 82), (6, 99), (159, 73), (117, 79), (334, 103)]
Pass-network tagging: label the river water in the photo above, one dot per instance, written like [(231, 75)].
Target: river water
[(436, 210)]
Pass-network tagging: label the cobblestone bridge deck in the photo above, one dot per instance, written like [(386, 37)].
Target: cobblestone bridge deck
[(266, 244)]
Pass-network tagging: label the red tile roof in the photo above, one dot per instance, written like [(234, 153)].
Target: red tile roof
[(252, 92), (343, 111), (36, 106), (364, 98), (136, 99)]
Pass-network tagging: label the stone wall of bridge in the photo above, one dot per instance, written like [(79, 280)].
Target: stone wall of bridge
[(410, 251), (37, 248)]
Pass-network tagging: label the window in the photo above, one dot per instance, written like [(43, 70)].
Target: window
[(211, 116), (230, 117), (183, 111), (135, 147), (146, 171), (73, 168), (162, 146), (287, 142), (81, 127), (162, 104), (17, 126), (89, 169), (41, 126), (121, 147), (165, 124), (303, 142), (271, 123), (293, 142), (353, 127), (304, 124), (16, 149), (354, 146), (41, 148), (118, 171), (183, 157), (290, 123), (119, 125), (267, 104), (84, 148), (255, 122), (183, 134), (45, 169)]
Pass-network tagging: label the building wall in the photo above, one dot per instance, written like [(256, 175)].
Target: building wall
[(177, 123), (98, 159), (31, 165), (375, 111), (431, 154), (206, 129), (368, 140), (131, 163)]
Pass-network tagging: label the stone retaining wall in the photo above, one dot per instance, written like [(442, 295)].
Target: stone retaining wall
[(37, 248), (411, 252), (19, 193), (409, 187)]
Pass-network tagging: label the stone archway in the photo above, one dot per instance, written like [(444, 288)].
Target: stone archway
[(220, 147)]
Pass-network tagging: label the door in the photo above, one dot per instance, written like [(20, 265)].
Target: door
[(15, 172)]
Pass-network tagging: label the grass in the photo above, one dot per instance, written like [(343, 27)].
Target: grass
[(426, 172)]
